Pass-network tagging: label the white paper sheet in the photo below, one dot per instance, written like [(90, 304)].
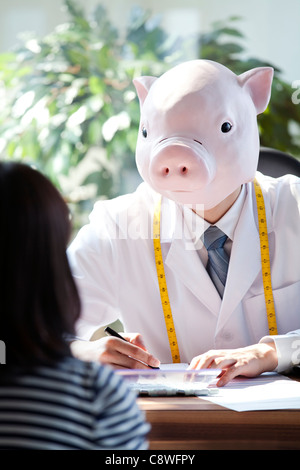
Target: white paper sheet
[(269, 391)]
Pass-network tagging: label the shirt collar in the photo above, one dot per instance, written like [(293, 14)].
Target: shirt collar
[(196, 225)]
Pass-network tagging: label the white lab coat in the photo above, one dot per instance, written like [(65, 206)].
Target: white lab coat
[(113, 262)]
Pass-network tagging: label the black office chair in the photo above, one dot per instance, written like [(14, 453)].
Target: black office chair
[(276, 163)]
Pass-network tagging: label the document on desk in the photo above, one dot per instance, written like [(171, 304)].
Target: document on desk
[(269, 391)]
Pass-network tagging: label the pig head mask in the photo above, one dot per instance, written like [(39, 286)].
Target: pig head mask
[(198, 139)]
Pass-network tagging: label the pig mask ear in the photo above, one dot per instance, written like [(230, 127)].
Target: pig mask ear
[(142, 86), (258, 83)]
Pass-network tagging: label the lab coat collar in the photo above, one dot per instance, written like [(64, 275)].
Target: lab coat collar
[(182, 229), (245, 258), (170, 220), (182, 256), (245, 262), (187, 266)]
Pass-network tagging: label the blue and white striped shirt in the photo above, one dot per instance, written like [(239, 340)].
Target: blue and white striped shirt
[(75, 405)]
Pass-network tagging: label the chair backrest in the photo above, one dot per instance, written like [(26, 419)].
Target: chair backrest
[(276, 163)]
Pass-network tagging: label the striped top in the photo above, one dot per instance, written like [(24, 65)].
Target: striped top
[(75, 405)]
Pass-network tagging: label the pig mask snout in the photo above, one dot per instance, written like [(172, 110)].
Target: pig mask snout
[(180, 164)]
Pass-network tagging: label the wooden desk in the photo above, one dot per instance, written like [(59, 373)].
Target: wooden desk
[(188, 423)]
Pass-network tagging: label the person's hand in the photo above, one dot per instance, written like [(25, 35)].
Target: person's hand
[(130, 354), (250, 361)]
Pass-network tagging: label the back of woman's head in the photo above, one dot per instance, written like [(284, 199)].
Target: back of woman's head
[(39, 302)]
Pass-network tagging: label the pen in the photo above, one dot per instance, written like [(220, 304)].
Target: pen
[(112, 332)]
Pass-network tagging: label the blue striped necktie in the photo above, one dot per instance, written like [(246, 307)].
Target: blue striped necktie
[(218, 259)]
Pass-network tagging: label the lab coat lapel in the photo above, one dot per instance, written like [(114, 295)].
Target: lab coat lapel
[(184, 261), (245, 260), (244, 265)]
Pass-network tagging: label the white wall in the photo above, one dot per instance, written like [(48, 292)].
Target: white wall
[(17, 16), (272, 27)]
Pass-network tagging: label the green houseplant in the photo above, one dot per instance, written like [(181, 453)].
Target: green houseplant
[(69, 103), (70, 107)]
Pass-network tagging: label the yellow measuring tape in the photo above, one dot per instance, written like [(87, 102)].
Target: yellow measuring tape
[(265, 259), (163, 284), (265, 262)]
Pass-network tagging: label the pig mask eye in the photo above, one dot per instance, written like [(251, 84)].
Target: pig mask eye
[(144, 132), (226, 127)]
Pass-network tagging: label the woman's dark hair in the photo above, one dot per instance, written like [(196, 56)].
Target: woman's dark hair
[(39, 301)]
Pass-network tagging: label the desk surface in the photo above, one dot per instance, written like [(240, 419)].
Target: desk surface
[(188, 423)]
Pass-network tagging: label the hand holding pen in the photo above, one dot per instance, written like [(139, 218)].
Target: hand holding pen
[(137, 356), (127, 352)]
